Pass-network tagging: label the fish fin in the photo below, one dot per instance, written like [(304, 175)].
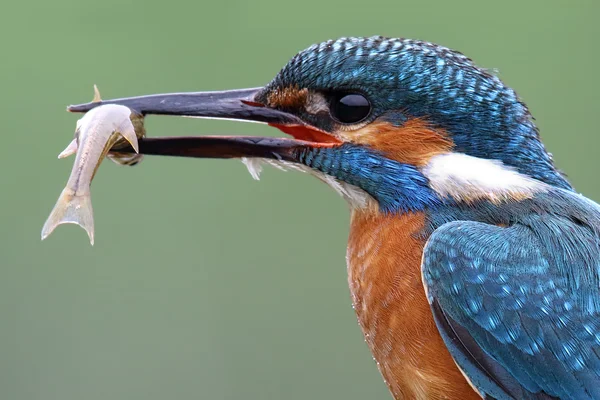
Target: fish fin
[(97, 98), (69, 150), (71, 209), (128, 132)]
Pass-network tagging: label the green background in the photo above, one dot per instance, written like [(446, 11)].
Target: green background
[(204, 283)]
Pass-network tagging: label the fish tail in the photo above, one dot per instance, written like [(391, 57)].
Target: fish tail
[(71, 208)]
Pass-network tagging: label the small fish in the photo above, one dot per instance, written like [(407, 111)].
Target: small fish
[(97, 132)]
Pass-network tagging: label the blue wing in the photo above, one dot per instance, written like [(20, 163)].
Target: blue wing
[(519, 306)]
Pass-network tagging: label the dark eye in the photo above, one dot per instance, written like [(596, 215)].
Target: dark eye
[(350, 108)]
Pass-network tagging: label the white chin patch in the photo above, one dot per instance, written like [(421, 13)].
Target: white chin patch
[(355, 196), (466, 178), (254, 166)]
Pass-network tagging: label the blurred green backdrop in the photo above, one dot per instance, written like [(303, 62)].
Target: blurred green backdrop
[(204, 283)]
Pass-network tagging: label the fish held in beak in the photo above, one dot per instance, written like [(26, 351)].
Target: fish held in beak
[(103, 129)]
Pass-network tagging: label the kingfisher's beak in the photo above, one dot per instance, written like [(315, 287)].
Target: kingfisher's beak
[(232, 104)]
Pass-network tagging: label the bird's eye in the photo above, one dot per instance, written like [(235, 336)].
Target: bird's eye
[(350, 108)]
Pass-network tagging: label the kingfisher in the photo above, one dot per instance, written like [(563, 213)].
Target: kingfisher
[(473, 264)]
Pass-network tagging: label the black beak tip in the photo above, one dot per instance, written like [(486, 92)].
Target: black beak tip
[(83, 108)]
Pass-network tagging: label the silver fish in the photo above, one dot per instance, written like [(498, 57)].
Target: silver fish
[(97, 132)]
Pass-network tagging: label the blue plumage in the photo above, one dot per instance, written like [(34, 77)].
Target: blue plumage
[(397, 187), (514, 286), (410, 78), (519, 306)]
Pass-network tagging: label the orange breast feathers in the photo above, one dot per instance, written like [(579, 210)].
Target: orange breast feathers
[(384, 273)]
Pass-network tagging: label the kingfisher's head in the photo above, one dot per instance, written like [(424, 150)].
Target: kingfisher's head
[(399, 123)]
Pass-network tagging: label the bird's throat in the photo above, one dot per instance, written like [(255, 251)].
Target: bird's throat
[(397, 187)]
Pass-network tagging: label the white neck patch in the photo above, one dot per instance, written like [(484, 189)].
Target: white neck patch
[(466, 178)]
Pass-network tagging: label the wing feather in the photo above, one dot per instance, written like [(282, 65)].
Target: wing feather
[(518, 307)]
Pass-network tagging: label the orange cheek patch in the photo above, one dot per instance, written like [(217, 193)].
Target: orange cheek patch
[(413, 143)]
